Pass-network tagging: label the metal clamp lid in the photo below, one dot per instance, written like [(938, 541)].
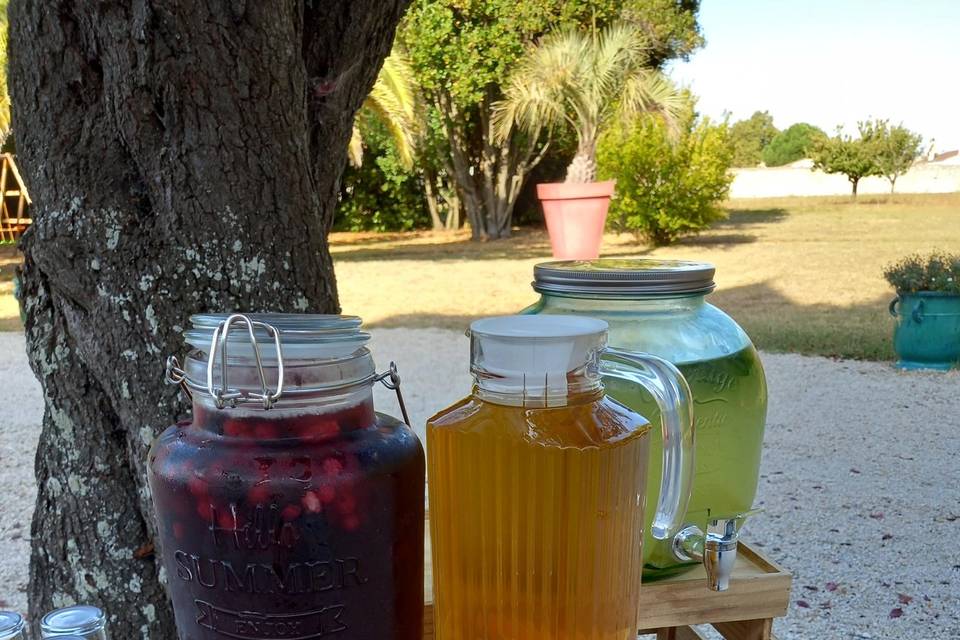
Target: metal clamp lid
[(224, 396)]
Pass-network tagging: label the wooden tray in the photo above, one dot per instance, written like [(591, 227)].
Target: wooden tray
[(759, 592)]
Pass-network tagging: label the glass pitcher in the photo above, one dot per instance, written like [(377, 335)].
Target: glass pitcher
[(287, 507), (538, 484)]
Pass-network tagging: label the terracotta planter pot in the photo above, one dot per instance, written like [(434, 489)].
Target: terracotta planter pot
[(575, 214)]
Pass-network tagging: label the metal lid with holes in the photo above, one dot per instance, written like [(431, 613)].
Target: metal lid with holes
[(80, 620), (242, 359), (624, 277), (11, 625)]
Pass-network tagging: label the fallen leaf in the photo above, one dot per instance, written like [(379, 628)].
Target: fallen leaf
[(852, 470), (810, 587), (887, 536), (877, 515), (896, 612), (904, 598), (826, 605), (831, 586), (143, 551), (803, 604)]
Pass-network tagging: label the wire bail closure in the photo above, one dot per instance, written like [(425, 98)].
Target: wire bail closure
[(391, 380), (224, 396)]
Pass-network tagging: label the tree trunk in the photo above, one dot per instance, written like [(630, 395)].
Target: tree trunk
[(853, 183), (183, 157), (487, 174), (430, 194)]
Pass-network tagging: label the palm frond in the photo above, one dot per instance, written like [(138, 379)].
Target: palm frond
[(395, 102), (653, 92), (355, 147), (586, 79)]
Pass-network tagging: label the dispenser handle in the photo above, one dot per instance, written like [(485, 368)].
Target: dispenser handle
[(672, 394)]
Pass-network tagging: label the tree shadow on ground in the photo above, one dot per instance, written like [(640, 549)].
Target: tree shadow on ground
[(526, 243), (773, 321), (744, 217), (523, 244)]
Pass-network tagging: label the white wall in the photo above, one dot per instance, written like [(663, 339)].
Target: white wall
[(799, 181)]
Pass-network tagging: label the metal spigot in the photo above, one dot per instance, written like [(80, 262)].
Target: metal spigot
[(717, 548)]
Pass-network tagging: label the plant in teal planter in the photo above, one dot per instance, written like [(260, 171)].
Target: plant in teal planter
[(927, 311)]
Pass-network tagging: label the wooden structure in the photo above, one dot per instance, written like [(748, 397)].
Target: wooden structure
[(14, 199), (759, 592)]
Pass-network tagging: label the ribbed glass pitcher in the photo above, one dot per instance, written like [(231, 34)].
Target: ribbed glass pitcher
[(538, 484)]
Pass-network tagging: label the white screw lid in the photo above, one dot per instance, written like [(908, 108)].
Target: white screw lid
[(534, 353)]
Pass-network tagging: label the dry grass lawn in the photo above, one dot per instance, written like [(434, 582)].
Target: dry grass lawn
[(800, 274)]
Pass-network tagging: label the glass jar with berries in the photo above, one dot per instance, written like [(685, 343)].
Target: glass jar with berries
[(287, 507)]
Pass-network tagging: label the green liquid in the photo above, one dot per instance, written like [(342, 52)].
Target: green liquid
[(730, 407)]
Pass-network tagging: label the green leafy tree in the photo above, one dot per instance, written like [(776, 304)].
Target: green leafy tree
[(462, 52), (382, 192), (896, 148), (584, 79), (791, 144), (749, 137), (855, 158), (667, 186)]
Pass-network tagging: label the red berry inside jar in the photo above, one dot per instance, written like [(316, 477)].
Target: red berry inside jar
[(297, 520)]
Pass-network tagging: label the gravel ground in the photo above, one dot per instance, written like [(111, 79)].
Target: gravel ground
[(859, 482)]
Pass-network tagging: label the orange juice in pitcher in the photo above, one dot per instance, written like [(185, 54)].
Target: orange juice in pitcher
[(537, 483)]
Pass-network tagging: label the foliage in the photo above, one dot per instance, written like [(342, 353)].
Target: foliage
[(791, 144), (853, 157), (395, 102), (380, 194), (5, 121), (467, 47), (586, 80), (896, 148), (936, 271), (749, 137), (666, 188), (462, 51)]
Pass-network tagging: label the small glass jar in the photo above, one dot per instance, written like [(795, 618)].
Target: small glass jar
[(82, 621), (287, 507), (11, 625), (659, 307)]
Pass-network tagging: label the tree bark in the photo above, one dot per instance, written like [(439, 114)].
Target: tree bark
[(854, 182), (183, 157)]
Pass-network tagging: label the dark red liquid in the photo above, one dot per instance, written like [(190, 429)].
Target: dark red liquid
[(303, 527)]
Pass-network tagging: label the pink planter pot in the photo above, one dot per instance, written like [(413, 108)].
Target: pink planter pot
[(575, 214)]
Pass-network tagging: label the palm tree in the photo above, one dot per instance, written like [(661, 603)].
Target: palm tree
[(395, 102), (586, 80)]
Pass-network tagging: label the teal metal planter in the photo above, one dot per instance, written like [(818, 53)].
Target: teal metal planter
[(927, 332)]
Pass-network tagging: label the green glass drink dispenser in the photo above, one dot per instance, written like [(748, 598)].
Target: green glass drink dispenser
[(659, 307)]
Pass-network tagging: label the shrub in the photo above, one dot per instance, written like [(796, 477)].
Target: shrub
[(666, 187), (791, 144), (934, 272), (380, 195)]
